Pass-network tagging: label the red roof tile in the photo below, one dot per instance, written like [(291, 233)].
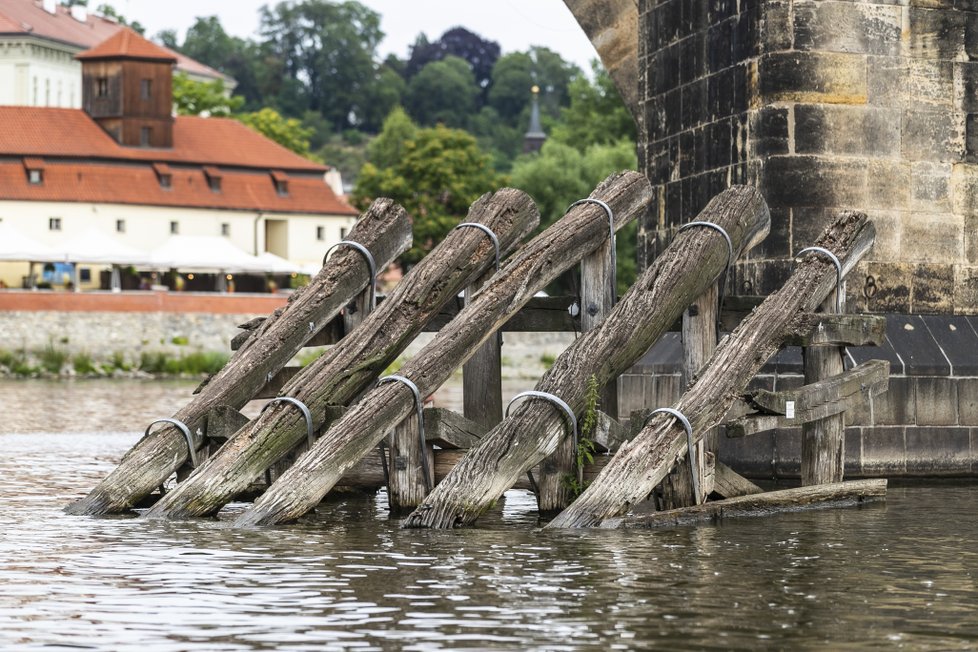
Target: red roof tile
[(137, 183), (126, 44), (71, 133), (29, 17)]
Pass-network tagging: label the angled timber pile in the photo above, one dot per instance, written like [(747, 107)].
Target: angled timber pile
[(580, 231), (385, 230), (337, 377), (642, 463), (672, 282)]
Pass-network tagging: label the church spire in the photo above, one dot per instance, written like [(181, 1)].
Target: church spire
[(534, 137)]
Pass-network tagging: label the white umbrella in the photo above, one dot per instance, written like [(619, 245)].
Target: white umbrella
[(96, 247), (203, 252), (277, 264), (15, 246)]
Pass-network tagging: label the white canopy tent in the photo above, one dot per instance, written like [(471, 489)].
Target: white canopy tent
[(99, 248), (17, 247), (278, 265), (205, 253)]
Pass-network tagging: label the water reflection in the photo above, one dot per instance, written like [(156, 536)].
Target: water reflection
[(348, 578)]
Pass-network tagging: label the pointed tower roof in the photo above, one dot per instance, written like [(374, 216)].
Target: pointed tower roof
[(536, 129), (127, 44)]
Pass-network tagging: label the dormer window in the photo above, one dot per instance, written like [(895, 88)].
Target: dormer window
[(35, 170), (164, 175), (213, 176), (102, 87), (281, 181)]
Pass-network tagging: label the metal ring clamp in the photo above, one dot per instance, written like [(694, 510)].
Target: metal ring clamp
[(310, 436), (687, 426), (547, 396), (611, 235), (371, 264), (186, 435), (488, 232), (419, 408), (838, 272), (726, 270)]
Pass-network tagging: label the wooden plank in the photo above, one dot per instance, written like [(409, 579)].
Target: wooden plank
[(385, 230), (815, 401), (843, 330), (347, 369), (826, 496), (680, 274), (551, 253), (641, 464), (407, 485), (449, 429), (222, 422), (608, 434), (730, 484), (482, 375)]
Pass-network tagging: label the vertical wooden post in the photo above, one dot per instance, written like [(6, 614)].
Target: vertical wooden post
[(699, 338), (406, 487), (597, 300), (482, 376), (823, 441)]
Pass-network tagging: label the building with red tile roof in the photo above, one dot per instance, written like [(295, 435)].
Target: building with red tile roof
[(125, 165)]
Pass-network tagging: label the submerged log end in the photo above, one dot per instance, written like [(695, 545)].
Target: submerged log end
[(96, 503), (443, 515)]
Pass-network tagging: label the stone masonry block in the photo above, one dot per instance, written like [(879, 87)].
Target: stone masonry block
[(853, 455), (787, 452), (889, 234), (813, 77), (937, 238), (910, 83), (814, 181), (936, 401), (768, 128), (932, 135), (842, 129), (966, 289), (888, 183), (938, 451), (776, 30), (933, 289), (930, 186), (896, 406), (884, 451), (848, 27), (967, 401), (964, 188), (887, 287), (940, 34), (966, 86)]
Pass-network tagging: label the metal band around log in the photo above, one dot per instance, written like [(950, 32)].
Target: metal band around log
[(371, 264), (310, 434), (688, 427), (611, 236), (838, 272), (186, 435), (488, 232), (556, 400), (726, 270), (419, 408)]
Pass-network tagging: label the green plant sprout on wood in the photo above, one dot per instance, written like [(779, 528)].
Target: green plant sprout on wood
[(574, 483)]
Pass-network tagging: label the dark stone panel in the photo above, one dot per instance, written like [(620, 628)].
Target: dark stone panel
[(916, 347), (966, 79), (936, 401), (695, 103), (718, 10), (853, 456), (674, 203), (686, 154), (971, 138), (886, 287), (957, 340), (807, 224), (769, 131), (752, 457), (665, 357), (896, 406), (860, 354), (776, 244), (693, 57), (786, 361), (933, 289), (833, 77), (824, 129), (718, 39), (884, 451), (746, 34), (814, 181), (719, 144), (672, 108), (665, 71), (668, 21), (930, 136), (740, 79), (938, 451), (696, 16), (967, 401), (787, 453), (938, 33)]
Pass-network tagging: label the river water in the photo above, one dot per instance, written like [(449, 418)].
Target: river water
[(899, 576)]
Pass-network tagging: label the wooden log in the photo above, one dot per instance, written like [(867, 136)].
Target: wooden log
[(385, 230), (844, 330), (222, 422), (548, 255), (826, 496), (449, 429), (642, 463), (348, 368), (598, 294), (273, 387), (730, 484), (823, 440), (482, 375), (407, 485), (690, 263)]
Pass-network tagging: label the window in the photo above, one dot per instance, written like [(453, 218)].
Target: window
[(174, 227), (145, 133), (343, 233), (120, 226), (214, 183), (102, 87), (320, 233), (54, 223), (225, 229), (146, 89), (85, 274), (163, 174), (166, 180), (282, 188), (36, 177)]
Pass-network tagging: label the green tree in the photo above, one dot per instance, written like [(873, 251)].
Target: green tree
[(438, 174), (194, 97), (444, 91), (388, 148), (515, 73), (108, 11), (560, 174), (287, 132), (596, 114)]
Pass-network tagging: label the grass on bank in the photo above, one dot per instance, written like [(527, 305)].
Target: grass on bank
[(52, 361)]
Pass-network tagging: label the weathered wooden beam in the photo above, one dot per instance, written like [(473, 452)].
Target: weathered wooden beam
[(730, 484), (612, 27), (691, 262), (642, 463), (608, 434), (482, 375), (826, 496), (551, 253), (385, 230), (273, 387), (449, 429), (347, 369), (843, 330)]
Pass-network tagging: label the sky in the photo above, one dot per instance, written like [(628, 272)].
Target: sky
[(514, 24)]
